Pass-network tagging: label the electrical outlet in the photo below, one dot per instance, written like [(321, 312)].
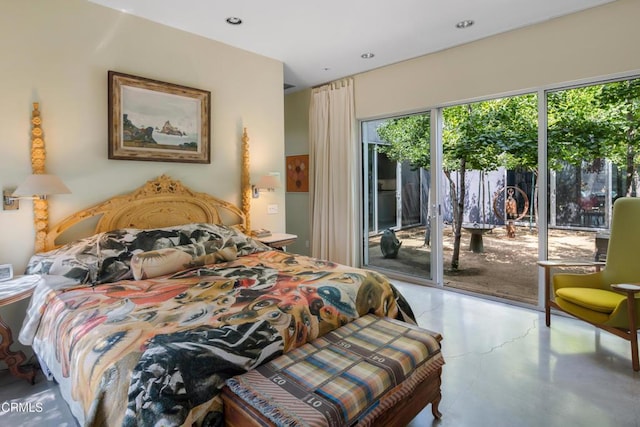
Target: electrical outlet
[(272, 209)]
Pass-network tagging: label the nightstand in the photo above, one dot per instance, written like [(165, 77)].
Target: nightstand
[(14, 290), (278, 240)]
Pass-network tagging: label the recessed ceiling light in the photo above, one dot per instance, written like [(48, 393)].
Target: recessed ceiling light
[(367, 55), (234, 20), (326, 69), (464, 24)]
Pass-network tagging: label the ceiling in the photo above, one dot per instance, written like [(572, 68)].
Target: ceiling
[(322, 41)]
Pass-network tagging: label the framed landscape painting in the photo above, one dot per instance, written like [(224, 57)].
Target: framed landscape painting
[(156, 121)]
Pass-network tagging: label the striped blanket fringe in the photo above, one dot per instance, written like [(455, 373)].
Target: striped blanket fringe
[(266, 407)]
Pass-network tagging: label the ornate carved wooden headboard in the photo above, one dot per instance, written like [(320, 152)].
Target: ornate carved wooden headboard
[(161, 202)]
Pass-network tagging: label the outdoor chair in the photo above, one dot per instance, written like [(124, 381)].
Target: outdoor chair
[(609, 298)]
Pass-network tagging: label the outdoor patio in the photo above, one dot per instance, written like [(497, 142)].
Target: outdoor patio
[(507, 268)]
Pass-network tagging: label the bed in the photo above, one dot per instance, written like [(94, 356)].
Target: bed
[(142, 321)]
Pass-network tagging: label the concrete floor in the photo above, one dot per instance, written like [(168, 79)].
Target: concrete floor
[(504, 368)]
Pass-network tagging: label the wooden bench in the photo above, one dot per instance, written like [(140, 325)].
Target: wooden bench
[(373, 371)]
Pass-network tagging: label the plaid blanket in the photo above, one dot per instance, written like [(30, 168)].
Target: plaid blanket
[(339, 379)]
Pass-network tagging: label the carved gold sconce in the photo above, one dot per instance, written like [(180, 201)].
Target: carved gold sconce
[(245, 182), (37, 186)]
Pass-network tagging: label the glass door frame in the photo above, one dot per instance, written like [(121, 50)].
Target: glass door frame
[(371, 163), (365, 214), (543, 194), (436, 197)]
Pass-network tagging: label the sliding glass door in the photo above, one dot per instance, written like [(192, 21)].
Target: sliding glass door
[(490, 238), (480, 217), (478, 230), (397, 194)]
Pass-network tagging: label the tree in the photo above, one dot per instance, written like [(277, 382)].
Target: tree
[(621, 104), (576, 136), (577, 130)]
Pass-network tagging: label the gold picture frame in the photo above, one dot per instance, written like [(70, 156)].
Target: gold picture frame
[(150, 120)]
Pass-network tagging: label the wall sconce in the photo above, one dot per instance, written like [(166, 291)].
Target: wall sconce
[(265, 183), (36, 186)]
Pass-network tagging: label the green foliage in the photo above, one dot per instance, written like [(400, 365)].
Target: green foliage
[(408, 139), (620, 102), (486, 135), (577, 130), (584, 124)]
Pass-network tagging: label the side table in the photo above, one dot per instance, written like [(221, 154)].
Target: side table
[(14, 290), (477, 231), (278, 240)]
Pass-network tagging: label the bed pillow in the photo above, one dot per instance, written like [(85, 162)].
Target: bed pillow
[(147, 265), (117, 248), (106, 257), (77, 260)]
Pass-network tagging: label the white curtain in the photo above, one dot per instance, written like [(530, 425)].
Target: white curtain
[(335, 173)]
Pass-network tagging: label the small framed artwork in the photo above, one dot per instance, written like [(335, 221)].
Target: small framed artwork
[(156, 121), (298, 173)]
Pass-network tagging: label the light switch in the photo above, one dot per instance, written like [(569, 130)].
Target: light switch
[(272, 209)]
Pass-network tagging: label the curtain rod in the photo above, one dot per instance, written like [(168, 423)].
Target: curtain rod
[(342, 81)]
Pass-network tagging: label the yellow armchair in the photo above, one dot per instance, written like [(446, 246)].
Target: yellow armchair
[(609, 298)]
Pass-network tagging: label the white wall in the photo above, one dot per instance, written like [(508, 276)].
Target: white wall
[(596, 42), (58, 52)]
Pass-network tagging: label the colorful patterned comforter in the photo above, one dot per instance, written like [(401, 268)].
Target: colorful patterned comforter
[(157, 351)]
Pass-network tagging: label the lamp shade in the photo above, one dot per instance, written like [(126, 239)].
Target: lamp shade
[(268, 182), (41, 185)]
